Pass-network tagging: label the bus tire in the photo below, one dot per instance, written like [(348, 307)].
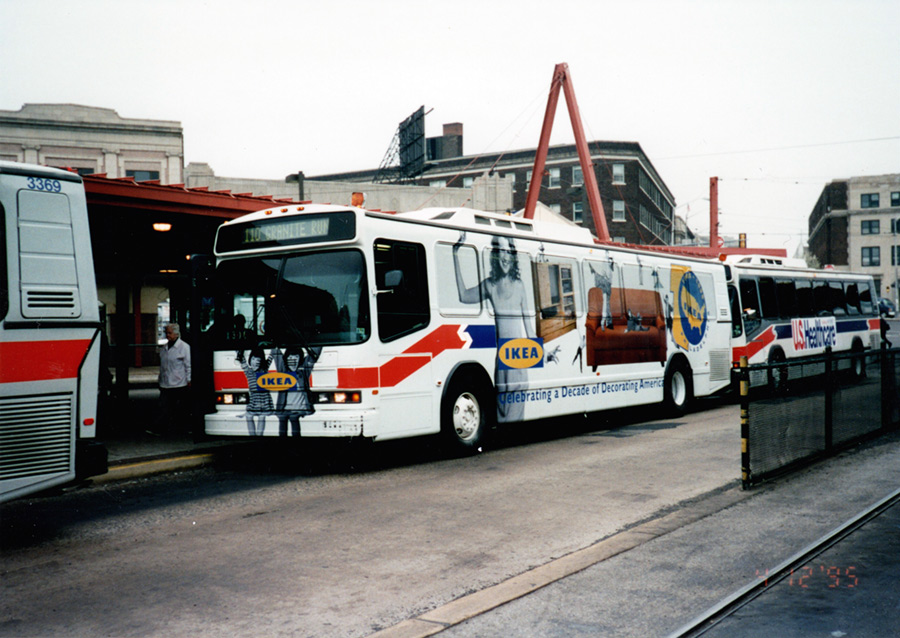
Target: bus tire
[(678, 389), (858, 361), (466, 414), (778, 371)]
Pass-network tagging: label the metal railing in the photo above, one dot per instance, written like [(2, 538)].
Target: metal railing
[(795, 412)]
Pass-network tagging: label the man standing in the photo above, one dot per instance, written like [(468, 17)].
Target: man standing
[(174, 381)]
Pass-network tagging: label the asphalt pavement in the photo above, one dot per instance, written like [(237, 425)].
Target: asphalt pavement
[(849, 592)]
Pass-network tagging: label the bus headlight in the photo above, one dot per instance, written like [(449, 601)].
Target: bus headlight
[(232, 398), (339, 397)]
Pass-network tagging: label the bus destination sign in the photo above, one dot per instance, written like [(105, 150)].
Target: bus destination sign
[(286, 231)]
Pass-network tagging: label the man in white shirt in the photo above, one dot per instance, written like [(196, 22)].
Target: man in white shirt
[(175, 381)]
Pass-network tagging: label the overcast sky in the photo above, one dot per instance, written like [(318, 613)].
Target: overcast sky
[(775, 98)]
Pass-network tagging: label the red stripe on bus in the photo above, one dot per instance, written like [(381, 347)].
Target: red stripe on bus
[(399, 368), (754, 346), (356, 378), (388, 375), (875, 324), (41, 360), (229, 380), (443, 338)]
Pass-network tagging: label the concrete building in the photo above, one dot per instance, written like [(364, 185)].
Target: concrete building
[(638, 205), (855, 225), (93, 140), (490, 193)]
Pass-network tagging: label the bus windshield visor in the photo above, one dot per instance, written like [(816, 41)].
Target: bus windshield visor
[(314, 299)]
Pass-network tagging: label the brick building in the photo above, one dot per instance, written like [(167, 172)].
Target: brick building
[(638, 205)]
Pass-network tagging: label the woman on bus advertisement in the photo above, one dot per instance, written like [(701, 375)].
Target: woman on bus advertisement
[(504, 289), (260, 402)]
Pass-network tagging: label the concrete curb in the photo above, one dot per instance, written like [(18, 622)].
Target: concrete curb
[(480, 602), (150, 467)]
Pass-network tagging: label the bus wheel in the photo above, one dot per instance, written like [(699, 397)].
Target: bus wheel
[(464, 417), (858, 362), (778, 372), (678, 389)]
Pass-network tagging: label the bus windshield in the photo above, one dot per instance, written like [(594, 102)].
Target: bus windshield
[(312, 299)]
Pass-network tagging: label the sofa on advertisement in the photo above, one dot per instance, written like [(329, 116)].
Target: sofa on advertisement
[(634, 332)]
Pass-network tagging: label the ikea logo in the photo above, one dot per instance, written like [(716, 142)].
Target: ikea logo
[(521, 353), (276, 381)]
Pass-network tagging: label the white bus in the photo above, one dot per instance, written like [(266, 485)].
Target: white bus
[(335, 321), (49, 332), (783, 313)]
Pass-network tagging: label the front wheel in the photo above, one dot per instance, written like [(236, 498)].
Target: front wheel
[(464, 417), (678, 389)]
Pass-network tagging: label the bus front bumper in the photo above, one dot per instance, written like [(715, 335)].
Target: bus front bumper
[(319, 424)]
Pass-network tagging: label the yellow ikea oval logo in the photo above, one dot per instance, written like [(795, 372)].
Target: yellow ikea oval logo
[(521, 353), (276, 381)]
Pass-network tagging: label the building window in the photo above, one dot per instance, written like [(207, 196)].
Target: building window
[(618, 173), (555, 208), (618, 210), (468, 181), (143, 176), (437, 183), (554, 178), (895, 198), (645, 216), (577, 212), (871, 256), (871, 227), (868, 200), (895, 255), (577, 176), (619, 239), (528, 178)]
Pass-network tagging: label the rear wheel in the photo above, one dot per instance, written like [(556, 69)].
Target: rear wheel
[(678, 390), (464, 416), (778, 372), (858, 362)]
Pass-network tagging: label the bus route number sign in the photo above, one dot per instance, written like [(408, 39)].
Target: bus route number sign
[(288, 231)]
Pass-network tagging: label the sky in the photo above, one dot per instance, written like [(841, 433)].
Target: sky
[(776, 98)]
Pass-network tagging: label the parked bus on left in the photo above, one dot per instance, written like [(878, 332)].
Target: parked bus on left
[(49, 332)]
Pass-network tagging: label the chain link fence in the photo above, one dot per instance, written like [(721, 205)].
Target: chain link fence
[(795, 412)]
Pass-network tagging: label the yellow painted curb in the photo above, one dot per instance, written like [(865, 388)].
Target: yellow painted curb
[(156, 466)]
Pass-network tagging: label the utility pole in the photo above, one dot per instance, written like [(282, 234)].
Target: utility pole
[(714, 212)]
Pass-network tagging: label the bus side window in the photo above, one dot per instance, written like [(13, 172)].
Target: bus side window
[(822, 299), (4, 281), (866, 300), (805, 305), (737, 326), (787, 298), (750, 310), (400, 275), (767, 298), (457, 266), (852, 294), (838, 299)]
